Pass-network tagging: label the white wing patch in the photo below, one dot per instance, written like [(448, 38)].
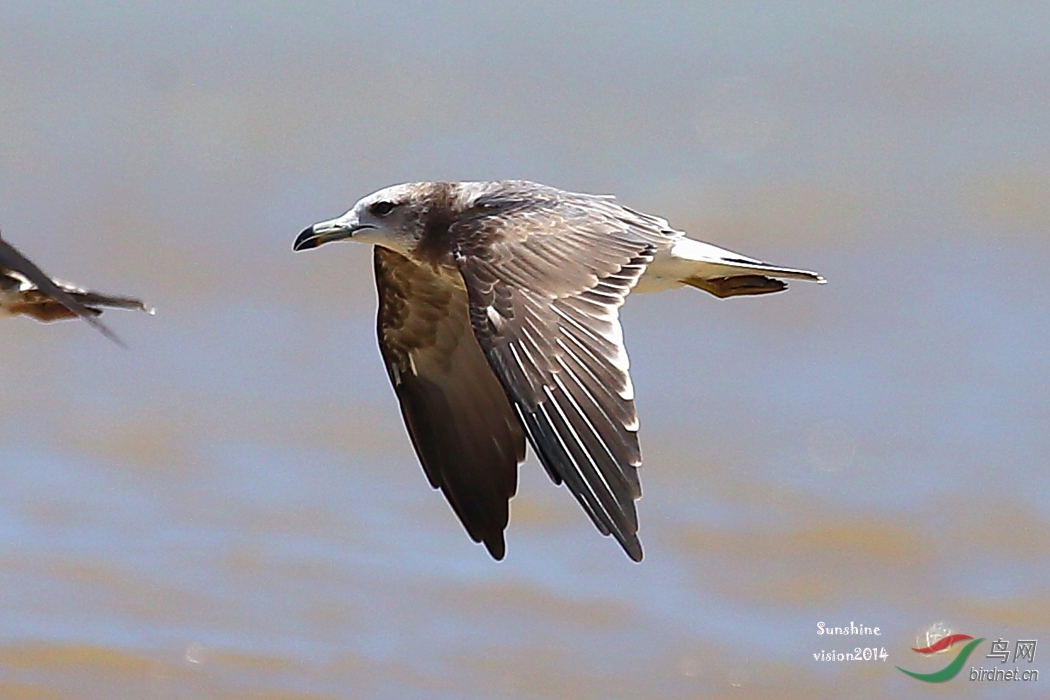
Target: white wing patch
[(495, 318)]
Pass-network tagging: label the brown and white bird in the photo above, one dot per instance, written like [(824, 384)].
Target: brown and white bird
[(27, 290), (499, 321)]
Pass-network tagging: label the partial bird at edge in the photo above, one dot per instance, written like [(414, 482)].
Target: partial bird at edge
[(27, 290)]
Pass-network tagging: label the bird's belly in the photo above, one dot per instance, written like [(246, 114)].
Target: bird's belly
[(8, 299), (664, 272), (655, 283)]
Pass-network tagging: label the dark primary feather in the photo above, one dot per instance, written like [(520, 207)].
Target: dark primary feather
[(545, 278), (461, 425)]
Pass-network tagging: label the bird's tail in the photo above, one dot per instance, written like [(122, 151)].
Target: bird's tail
[(727, 274)]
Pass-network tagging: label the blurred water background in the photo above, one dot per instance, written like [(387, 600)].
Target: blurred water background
[(231, 508)]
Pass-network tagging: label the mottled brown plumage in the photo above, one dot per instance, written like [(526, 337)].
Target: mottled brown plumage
[(461, 425)]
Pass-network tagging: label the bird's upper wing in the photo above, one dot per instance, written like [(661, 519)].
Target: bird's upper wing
[(546, 274), (457, 414), (11, 259)]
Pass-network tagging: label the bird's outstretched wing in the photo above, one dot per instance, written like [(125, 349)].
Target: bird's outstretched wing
[(457, 414), (44, 299), (546, 274)]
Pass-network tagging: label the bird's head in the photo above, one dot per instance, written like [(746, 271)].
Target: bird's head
[(392, 217)]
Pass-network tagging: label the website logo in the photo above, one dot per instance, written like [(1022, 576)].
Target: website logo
[(940, 640)]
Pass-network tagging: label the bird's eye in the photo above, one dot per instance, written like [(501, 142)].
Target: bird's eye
[(382, 208)]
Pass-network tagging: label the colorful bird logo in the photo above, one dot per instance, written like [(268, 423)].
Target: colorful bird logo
[(939, 639)]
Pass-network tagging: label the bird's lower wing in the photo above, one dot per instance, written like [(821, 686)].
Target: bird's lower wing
[(456, 412)]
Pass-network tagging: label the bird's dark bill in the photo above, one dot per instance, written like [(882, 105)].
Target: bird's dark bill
[(319, 234), (307, 239)]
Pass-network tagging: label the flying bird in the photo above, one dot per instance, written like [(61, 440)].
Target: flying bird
[(27, 290), (499, 322)]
